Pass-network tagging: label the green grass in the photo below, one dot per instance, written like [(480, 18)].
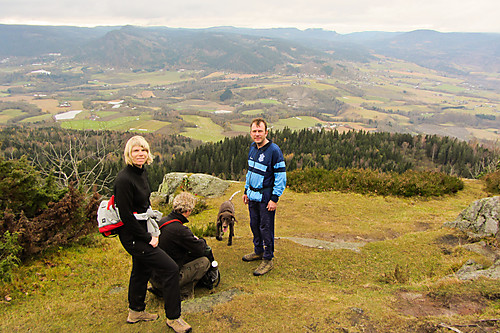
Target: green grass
[(7, 114), (103, 114), (155, 78), (296, 123), (255, 112), (46, 117), (144, 123), (241, 128), (122, 123), (309, 290), (206, 131), (263, 101)]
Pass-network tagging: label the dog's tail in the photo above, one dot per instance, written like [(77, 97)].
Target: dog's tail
[(234, 195)]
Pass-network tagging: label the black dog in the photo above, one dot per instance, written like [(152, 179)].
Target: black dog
[(225, 220)]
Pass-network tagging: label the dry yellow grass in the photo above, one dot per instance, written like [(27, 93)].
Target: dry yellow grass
[(309, 290)]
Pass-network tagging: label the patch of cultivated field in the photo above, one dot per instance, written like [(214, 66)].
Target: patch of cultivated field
[(49, 105), (263, 101), (356, 112), (17, 98), (319, 85), (52, 105), (43, 117), (255, 112), (121, 123), (353, 100), (131, 78), (296, 123), (7, 114), (485, 134), (148, 125), (201, 105), (241, 128), (104, 114), (206, 129)]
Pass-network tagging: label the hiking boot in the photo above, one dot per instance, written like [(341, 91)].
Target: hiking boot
[(252, 256), (179, 325), (135, 316), (264, 267)]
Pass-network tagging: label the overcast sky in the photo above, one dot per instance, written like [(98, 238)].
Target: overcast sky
[(341, 16)]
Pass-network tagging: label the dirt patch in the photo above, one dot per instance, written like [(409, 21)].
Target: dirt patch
[(422, 226), (321, 244), (451, 240), (420, 305), (206, 303)]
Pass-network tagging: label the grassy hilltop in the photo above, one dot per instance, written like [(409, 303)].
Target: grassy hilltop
[(396, 282)]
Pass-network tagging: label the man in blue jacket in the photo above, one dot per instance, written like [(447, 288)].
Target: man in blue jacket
[(265, 183)]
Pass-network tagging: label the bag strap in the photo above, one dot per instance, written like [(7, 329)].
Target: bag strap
[(111, 202), (168, 222)]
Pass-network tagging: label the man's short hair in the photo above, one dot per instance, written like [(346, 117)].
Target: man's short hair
[(258, 121), (136, 141), (183, 202)]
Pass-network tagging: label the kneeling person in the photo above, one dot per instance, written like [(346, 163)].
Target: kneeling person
[(179, 242)]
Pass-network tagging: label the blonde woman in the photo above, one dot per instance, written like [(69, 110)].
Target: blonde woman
[(132, 193)]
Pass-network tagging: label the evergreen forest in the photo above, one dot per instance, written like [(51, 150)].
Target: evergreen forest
[(90, 159), (325, 149)]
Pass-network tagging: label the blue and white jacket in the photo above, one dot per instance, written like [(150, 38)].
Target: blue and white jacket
[(266, 176)]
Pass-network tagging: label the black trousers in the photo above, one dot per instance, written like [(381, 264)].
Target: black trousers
[(145, 259)]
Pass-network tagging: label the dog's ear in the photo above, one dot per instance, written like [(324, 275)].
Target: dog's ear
[(218, 218), (234, 218)]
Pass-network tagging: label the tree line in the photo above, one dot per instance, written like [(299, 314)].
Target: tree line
[(326, 149), (88, 160), (91, 159)]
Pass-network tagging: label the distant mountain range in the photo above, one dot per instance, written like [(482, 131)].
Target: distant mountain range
[(247, 50)]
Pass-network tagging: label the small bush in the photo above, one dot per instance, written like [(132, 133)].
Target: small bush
[(492, 182), (200, 206), (23, 189), (411, 183), (8, 255), (209, 230), (62, 223)]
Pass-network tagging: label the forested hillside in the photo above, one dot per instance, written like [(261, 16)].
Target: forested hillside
[(92, 158), (331, 150)]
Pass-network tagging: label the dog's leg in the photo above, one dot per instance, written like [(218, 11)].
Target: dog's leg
[(219, 231), (231, 233)]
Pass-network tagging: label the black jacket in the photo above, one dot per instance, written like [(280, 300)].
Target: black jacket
[(178, 241), (132, 193)]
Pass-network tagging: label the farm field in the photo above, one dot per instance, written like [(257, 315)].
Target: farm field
[(205, 130), (384, 95)]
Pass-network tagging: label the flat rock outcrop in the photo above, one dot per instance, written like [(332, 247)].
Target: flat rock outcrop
[(197, 183)]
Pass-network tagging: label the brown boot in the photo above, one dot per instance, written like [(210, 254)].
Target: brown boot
[(179, 325), (264, 267), (135, 316), (252, 256)]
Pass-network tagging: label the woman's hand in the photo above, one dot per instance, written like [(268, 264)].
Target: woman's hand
[(154, 241)]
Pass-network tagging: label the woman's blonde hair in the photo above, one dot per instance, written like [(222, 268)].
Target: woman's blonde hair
[(136, 141), (183, 202)]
